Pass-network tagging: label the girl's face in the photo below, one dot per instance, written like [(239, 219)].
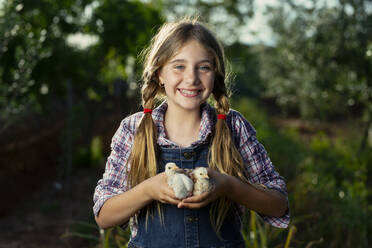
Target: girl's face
[(188, 77)]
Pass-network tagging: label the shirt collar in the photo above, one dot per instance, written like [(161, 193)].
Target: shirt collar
[(205, 129)]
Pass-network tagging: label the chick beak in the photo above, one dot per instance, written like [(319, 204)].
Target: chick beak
[(205, 176)]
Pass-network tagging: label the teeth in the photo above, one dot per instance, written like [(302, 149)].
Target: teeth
[(189, 92)]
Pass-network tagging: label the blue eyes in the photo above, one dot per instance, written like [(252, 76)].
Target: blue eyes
[(201, 68), (205, 68)]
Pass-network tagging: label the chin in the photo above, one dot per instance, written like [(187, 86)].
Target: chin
[(191, 107)]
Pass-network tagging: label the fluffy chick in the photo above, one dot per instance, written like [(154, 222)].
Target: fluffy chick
[(201, 181), (178, 180)]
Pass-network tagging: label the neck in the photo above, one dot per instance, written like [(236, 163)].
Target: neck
[(182, 117), (182, 126)]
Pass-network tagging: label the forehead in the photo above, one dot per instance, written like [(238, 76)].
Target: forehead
[(192, 50)]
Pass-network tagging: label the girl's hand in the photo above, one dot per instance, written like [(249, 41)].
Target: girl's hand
[(159, 190), (219, 189)]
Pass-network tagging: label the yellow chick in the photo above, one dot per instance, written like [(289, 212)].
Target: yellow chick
[(201, 181)]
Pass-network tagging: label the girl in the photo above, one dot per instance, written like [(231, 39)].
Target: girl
[(185, 63)]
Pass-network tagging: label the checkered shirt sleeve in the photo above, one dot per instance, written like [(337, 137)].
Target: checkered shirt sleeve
[(259, 167), (114, 179)]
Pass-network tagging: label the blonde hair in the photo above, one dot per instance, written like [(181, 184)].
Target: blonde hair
[(223, 155)]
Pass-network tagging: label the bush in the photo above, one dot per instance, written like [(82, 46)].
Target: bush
[(326, 180)]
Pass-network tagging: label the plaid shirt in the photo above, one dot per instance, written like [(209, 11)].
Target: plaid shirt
[(259, 168)]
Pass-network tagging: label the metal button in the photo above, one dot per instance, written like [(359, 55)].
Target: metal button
[(192, 219), (188, 155)]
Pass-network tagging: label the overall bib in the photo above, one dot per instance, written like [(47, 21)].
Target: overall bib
[(185, 227)]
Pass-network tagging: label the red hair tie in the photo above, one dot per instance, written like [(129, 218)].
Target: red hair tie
[(146, 110), (221, 116)]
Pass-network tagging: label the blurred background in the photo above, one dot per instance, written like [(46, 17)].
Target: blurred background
[(302, 75)]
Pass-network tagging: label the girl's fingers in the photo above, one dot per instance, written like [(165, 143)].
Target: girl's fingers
[(172, 201), (192, 205), (193, 199), (168, 199), (169, 196), (197, 198), (196, 201)]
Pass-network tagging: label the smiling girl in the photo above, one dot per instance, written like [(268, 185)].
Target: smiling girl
[(185, 65)]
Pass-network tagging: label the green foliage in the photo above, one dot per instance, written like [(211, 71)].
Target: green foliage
[(327, 182), (90, 156), (321, 64), (283, 146), (115, 237), (227, 18), (258, 234), (39, 60), (129, 31), (85, 230), (334, 180), (245, 70), (93, 235), (33, 38)]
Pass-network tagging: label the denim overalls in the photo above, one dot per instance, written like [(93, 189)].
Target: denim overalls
[(185, 227)]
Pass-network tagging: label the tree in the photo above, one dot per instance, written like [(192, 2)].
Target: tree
[(244, 60), (226, 17), (37, 60), (320, 67), (321, 64)]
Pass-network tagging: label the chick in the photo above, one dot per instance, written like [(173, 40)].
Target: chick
[(178, 180), (201, 181)]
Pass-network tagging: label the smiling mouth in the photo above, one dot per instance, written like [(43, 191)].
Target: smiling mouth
[(189, 93)]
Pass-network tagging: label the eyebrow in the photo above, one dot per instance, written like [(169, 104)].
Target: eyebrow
[(184, 60)]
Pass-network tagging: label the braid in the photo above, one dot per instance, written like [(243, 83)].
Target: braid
[(143, 155), (223, 157), (149, 92)]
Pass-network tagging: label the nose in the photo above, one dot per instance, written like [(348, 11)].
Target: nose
[(192, 76)]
